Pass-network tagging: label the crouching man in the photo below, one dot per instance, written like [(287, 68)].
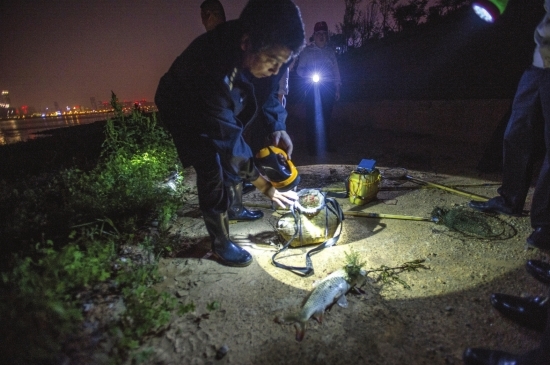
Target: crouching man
[(222, 88)]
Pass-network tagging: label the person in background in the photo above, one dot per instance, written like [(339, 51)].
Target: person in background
[(319, 58), (212, 14), (224, 82), (527, 131)]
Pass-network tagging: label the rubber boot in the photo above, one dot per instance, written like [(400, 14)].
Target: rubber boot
[(236, 209), (228, 252), (248, 187)]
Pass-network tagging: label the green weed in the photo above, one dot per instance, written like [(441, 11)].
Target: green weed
[(89, 215)]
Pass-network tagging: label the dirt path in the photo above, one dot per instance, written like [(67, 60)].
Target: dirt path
[(446, 310)]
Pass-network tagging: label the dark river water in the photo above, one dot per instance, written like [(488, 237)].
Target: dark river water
[(21, 130)]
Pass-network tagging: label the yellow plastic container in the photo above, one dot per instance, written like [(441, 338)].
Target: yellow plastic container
[(363, 186)]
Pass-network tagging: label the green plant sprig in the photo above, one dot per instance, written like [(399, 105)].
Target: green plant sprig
[(390, 275)]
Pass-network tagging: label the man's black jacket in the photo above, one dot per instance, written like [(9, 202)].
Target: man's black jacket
[(207, 101)]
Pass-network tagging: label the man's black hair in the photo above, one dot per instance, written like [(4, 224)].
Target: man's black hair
[(273, 22), (213, 6)]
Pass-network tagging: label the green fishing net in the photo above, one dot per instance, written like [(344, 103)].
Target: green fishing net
[(473, 224)]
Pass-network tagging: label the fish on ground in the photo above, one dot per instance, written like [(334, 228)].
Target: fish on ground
[(328, 291)]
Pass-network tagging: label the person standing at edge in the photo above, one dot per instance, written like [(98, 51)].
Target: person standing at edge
[(212, 14), (318, 58), (207, 100), (528, 128)]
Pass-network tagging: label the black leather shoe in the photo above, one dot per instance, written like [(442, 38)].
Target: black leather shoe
[(540, 238), (495, 205), (472, 356), (248, 187), (539, 270), (531, 312)]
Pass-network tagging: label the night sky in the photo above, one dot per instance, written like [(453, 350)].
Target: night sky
[(70, 50)]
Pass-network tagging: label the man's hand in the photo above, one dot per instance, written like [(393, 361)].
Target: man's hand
[(281, 198), (282, 140)]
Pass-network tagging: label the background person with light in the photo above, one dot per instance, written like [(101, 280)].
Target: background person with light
[(319, 59), (207, 99)]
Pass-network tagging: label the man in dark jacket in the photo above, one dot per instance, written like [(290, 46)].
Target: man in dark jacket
[(221, 90), (528, 130)]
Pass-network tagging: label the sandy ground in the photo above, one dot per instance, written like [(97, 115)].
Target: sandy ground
[(446, 309)]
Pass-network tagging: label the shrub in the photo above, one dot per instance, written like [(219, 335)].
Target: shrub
[(90, 215)]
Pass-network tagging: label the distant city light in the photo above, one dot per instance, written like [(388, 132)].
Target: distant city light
[(5, 102), (8, 111)]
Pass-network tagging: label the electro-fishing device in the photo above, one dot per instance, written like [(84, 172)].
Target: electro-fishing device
[(363, 183), (275, 166)]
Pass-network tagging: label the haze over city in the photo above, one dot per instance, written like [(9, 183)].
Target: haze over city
[(70, 51)]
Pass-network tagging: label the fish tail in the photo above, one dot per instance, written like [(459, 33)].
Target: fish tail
[(300, 330), (299, 324)]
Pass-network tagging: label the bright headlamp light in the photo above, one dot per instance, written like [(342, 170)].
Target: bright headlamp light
[(489, 10)]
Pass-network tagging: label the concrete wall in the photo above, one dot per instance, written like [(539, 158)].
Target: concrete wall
[(465, 120)]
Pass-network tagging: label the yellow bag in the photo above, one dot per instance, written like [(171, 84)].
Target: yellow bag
[(312, 230), (363, 186), (313, 219)]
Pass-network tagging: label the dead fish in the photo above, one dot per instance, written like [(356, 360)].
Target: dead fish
[(330, 290)]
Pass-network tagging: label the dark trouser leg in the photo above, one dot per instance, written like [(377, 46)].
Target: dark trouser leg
[(520, 140), (540, 208), (210, 184)]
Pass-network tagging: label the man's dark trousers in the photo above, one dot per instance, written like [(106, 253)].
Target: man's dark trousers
[(527, 134)]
